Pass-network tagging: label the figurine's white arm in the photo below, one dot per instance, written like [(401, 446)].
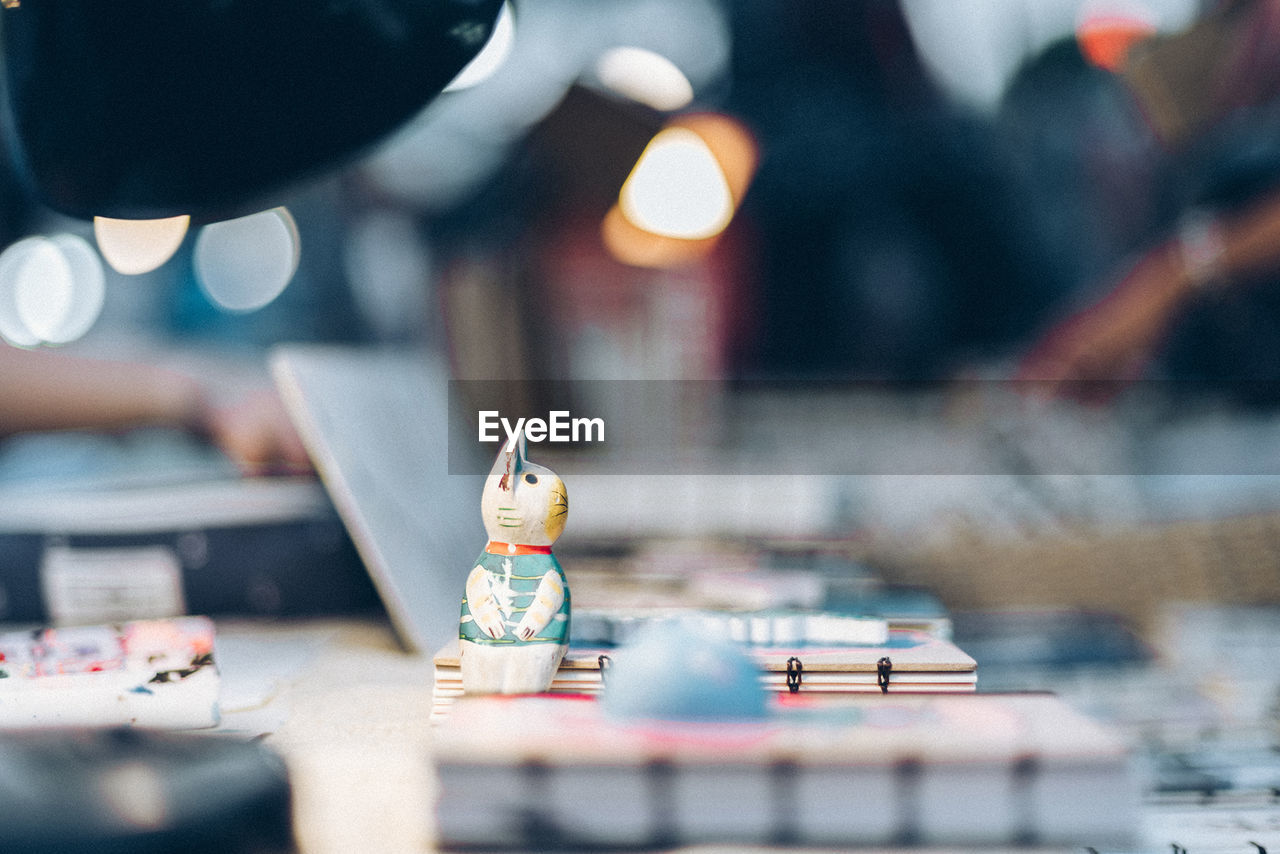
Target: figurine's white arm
[(483, 605), (546, 602)]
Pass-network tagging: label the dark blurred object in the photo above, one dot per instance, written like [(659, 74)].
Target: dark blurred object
[(1218, 769), (1047, 639), (130, 790), (883, 213), (1089, 172), (297, 567), (146, 108), (80, 512)]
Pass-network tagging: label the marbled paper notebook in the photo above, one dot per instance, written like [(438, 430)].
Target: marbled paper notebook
[(148, 673)]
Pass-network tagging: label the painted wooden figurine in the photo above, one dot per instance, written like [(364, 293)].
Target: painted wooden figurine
[(515, 617)]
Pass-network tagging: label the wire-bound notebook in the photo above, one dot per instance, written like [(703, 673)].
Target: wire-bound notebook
[(543, 772), (907, 661), (149, 673)]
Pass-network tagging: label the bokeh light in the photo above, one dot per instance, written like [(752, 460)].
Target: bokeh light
[(645, 76), (84, 297), (639, 248), (51, 290), (491, 56), (682, 193), (42, 292), (677, 188), (243, 264), (134, 793), (31, 253), (1107, 29), (136, 246)]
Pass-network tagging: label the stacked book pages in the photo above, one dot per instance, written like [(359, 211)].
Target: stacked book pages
[(859, 661), (545, 772)]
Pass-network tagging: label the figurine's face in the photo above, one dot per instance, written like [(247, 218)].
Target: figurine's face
[(527, 505)]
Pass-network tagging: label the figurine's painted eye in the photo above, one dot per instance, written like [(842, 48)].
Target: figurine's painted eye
[(531, 478)]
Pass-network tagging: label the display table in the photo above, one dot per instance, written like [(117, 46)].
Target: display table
[(349, 712)]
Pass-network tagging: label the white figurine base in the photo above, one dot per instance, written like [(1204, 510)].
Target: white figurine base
[(509, 668)]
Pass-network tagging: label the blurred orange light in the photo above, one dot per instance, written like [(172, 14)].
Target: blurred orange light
[(632, 245), (677, 188), (1105, 39), (682, 193)]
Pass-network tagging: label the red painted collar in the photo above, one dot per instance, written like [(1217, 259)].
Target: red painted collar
[(497, 548)]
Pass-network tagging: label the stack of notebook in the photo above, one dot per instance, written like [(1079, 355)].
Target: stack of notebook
[(544, 772), (904, 661)]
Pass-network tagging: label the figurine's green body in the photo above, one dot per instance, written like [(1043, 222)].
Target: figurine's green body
[(521, 575)]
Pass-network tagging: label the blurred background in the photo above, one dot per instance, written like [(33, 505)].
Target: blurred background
[(915, 276), (978, 300)]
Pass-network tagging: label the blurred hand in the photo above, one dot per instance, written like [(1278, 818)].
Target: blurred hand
[(1091, 355), (256, 434)]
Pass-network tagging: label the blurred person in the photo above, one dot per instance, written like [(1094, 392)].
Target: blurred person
[(1178, 225), (1095, 350), (47, 391), (207, 379), (907, 235), (881, 205)]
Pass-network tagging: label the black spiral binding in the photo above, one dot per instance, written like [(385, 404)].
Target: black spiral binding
[(795, 671), (883, 668)]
